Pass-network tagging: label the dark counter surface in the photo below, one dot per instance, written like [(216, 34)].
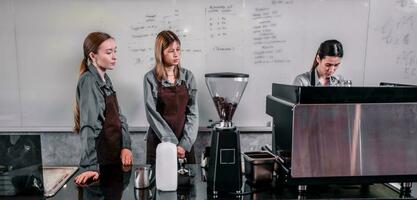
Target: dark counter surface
[(119, 184)]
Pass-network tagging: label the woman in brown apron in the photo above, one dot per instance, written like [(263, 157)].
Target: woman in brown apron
[(170, 93), (104, 132)]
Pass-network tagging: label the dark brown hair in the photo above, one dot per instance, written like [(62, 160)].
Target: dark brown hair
[(91, 44), (328, 48)]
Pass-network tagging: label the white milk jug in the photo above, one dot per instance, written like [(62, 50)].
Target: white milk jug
[(166, 167)]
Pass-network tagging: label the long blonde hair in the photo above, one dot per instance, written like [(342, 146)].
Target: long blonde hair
[(163, 40), (91, 44)]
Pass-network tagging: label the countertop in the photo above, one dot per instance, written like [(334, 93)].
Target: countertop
[(118, 183)]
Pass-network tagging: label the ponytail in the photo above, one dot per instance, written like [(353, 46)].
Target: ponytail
[(315, 63), (76, 117), (83, 68)]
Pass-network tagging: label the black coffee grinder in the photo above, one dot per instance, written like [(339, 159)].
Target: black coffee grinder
[(224, 164)]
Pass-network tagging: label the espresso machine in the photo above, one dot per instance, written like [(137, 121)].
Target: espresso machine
[(224, 163)]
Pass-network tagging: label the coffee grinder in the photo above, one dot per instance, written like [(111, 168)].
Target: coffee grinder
[(224, 164)]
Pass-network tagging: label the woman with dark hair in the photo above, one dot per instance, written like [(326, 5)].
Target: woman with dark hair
[(326, 62), (103, 129), (170, 93)]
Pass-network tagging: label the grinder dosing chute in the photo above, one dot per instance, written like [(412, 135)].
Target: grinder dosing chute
[(226, 90)]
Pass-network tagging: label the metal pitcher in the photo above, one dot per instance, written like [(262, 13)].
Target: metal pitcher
[(143, 176)]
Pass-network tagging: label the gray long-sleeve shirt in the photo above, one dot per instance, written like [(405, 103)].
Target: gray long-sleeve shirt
[(92, 105), (304, 79), (157, 123)]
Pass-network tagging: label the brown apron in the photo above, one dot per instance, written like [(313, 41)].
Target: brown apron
[(171, 105), (109, 141)]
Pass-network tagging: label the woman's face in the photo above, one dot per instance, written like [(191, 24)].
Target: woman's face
[(172, 54), (328, 65), (105, 57)]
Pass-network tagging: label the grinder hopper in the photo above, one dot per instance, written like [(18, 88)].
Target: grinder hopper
[(226, 90)]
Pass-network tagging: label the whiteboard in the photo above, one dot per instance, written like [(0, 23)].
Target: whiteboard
[(10, 114), (271, 40), (392, 42)]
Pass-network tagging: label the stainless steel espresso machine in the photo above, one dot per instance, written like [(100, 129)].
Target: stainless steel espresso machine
[(224, 166), (344, 135)]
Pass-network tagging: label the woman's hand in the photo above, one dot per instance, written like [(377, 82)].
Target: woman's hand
[(126, 157), (126, 168), (89, 176), (180, 152)]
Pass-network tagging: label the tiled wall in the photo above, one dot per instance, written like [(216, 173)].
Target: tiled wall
[(63, 148)]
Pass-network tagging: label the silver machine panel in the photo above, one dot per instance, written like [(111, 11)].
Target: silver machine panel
[(358, 139), (344, 135)]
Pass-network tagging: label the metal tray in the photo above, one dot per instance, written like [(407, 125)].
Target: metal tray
[(55, 177), (259, 166)]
